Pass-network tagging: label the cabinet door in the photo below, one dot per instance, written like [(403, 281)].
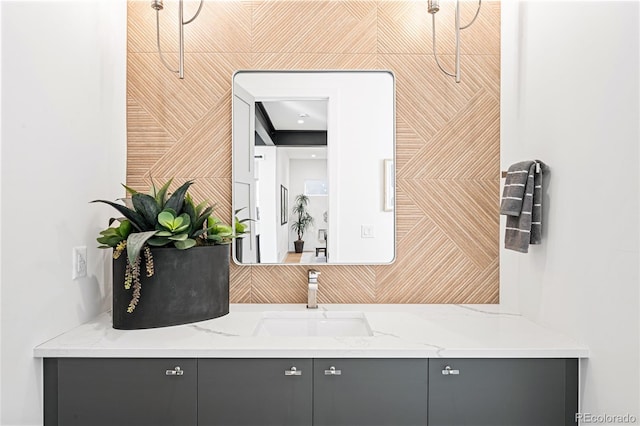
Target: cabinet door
[(121, 392), (370, 392), (509, 392), (254, 392)]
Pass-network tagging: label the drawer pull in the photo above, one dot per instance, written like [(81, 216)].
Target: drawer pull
[(293, 372), (332, 372), (175, 372), (449, 372)]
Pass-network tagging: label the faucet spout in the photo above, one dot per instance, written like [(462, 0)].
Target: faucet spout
[(312, 276)]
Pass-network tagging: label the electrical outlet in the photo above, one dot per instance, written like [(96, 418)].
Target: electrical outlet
[(79, 262), (366, 231)]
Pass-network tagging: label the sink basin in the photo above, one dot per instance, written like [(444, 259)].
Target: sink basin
[(313, 323)]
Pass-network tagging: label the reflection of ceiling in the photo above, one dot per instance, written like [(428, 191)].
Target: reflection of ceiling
[(285, 114), (304, 153)]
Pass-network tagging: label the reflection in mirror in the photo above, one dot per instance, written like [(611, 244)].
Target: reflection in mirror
[(311, 155)]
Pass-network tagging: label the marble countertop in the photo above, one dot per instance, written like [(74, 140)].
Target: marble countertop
[(398, 331)]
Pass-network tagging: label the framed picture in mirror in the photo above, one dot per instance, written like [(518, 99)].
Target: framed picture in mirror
[(284, 205)]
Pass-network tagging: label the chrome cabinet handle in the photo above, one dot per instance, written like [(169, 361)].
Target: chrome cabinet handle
[(449, 372), (175, 372), (293, 372), (332, 372)]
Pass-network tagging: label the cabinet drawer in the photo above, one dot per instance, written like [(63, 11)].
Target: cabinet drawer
[(370, 392), (122, 392), (496, 392), (255, 392)]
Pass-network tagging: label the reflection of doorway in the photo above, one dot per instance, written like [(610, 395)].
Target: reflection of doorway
[(291, 142), (244, 185), (307, 173)]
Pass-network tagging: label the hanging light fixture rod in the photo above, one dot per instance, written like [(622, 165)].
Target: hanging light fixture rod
[(158, 5), (433, 6)]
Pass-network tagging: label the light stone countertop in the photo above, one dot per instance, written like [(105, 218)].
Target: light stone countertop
[(399, 331)]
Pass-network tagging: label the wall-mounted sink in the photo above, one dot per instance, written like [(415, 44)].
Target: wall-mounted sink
[(313, 323)]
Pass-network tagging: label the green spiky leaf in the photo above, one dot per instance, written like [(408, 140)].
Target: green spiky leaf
[(200, 207), (129, 189), (146, 205), (136, 218), (135, 242), (161, 196), (202, 218), (176, 200), (190, 209), (197, 233)]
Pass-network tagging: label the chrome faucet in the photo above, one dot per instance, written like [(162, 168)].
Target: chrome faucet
[(313, 289)]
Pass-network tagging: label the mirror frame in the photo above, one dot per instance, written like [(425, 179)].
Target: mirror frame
[(394, 158)]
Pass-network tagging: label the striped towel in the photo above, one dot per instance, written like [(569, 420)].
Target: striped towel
[(522, 204)]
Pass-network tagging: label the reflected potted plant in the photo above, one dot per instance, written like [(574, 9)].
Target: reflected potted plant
[(175, 251), (240, 227), (302, 220)]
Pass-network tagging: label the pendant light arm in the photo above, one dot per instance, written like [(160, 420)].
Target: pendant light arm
[(433, 7), (435, 53), (158, 43), (200, 8), (474, 18)]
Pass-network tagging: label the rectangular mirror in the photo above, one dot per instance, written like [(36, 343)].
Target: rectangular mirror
[(313, 174)]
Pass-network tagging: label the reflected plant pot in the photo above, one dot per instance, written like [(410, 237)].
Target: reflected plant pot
[(298, 245), (238, 248)]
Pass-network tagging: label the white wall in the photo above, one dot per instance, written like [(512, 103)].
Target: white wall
[(63, 144), (269, 203), (570, 97), (0, 208)]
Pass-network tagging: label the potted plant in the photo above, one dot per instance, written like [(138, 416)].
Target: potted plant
[(302, 220), (175, 251), (240, 228)]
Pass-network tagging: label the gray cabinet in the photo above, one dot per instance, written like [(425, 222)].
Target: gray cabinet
[(496, 392), (370, 392), (120, 392), (255, 392), (305, 392)]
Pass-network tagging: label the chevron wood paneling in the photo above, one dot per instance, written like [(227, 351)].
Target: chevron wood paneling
[(462, 149), (405, 27), (228, 28), (240, 291), (447, 134), (310, 61), (347, 284), (315, 26)]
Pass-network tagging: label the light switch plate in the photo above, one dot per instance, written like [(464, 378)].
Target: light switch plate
[(366, 231), (79, 262)]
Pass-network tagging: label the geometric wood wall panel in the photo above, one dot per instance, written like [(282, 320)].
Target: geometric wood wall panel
[(447, 134)]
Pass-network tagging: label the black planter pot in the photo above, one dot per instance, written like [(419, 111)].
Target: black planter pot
[(187, 286), (238, 242), (298, 245)]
